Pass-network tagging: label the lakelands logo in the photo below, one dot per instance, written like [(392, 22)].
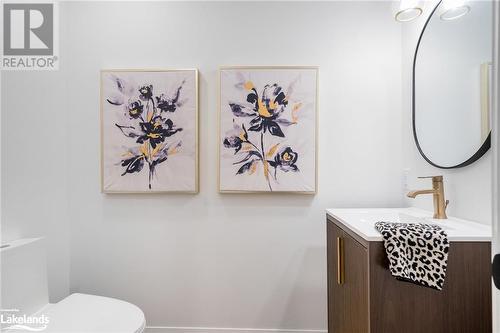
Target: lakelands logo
[(12, 320), (30, 36)]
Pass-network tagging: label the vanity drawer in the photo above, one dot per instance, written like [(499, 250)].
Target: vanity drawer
[(347, 282)]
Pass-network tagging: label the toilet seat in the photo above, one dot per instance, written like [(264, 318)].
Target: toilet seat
[(82, 313)]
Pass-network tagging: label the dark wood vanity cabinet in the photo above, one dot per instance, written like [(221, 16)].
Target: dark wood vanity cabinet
[(364, 297)]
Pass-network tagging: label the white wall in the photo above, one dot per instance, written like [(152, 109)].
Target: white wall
[(205, 260), (34, 168), (469, 188)]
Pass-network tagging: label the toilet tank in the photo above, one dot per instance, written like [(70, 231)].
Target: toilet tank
[(23, 276)]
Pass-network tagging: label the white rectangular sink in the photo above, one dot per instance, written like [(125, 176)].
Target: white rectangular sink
[(362, 221)]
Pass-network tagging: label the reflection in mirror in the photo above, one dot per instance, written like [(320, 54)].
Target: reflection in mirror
[(452, 74)]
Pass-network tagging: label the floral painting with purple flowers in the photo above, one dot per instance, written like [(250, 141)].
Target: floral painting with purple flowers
[(149, 131), (268, 129)]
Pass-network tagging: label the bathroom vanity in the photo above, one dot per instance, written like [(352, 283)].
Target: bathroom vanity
[(364, 297)]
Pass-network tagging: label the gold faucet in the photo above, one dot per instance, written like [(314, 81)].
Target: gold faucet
[(437, 192)]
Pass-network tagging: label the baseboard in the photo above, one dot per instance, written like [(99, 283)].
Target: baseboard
[(158, 329)]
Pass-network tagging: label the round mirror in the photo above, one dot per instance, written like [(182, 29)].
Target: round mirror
[(452, 84)]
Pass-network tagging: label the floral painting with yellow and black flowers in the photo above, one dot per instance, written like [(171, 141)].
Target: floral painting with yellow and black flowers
[(268, 129), (149, 130)]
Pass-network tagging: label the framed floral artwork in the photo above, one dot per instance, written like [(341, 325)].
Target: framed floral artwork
[(268, 129), (149, 131)]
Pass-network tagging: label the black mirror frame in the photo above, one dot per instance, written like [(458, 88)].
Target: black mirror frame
[(487, 142)]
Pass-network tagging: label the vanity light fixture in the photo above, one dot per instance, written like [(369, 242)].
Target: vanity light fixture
[(407, 10), (453, 9)]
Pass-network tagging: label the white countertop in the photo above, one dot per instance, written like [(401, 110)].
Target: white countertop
[(362, 222)]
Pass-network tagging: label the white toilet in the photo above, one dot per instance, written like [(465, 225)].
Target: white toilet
[(24, 291)]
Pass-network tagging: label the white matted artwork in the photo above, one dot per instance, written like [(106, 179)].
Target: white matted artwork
[(149, 131), (268, 129)]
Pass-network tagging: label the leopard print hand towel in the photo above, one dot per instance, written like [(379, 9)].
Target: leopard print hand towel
[(417, 252)]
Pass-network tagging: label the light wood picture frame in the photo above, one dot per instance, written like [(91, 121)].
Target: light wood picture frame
[(268, 129), (149, 131)]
